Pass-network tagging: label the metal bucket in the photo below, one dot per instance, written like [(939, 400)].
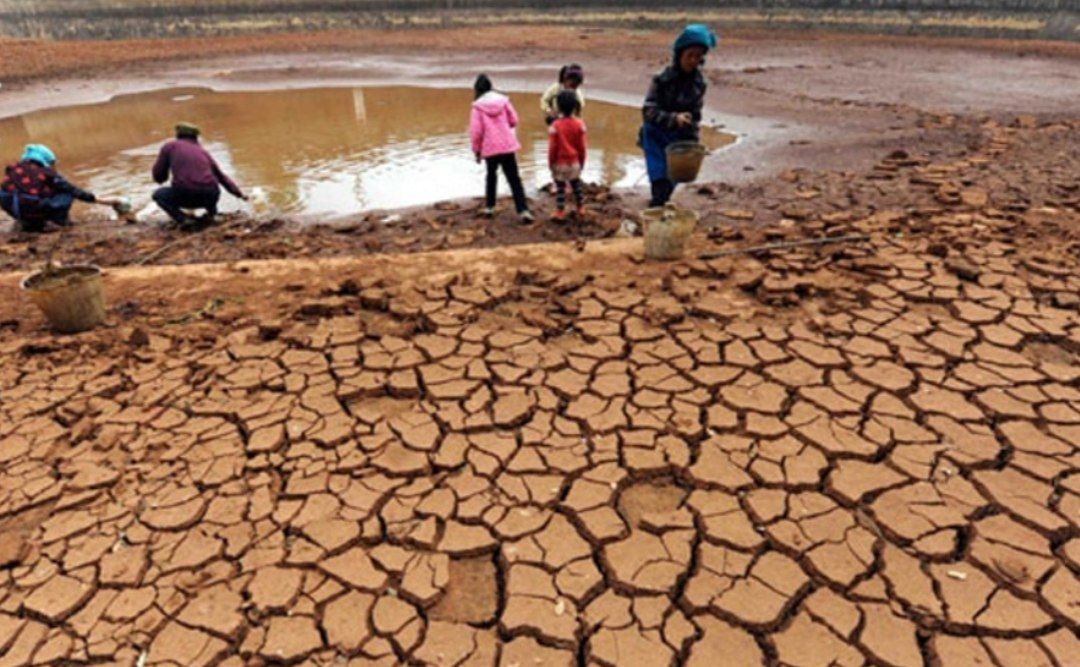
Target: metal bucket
[(666, 231), (684, 160), (70, 296)]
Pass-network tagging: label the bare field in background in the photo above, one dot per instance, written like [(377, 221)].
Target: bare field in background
[(116, 19)]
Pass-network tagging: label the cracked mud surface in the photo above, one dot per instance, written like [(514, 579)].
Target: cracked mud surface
[(861, 454)]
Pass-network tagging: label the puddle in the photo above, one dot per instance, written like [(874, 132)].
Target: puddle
[(319, 151)]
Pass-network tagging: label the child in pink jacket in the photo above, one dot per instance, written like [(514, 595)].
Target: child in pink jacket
[(495, 141)]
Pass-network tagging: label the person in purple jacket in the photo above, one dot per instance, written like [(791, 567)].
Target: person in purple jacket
[(195, 177)]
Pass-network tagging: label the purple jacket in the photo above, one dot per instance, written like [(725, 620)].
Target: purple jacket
[(192, 167)]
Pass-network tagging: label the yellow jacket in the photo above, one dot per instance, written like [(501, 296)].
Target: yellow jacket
[(547, 101)]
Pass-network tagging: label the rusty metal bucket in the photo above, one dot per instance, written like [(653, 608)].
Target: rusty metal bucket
[(684, 160)]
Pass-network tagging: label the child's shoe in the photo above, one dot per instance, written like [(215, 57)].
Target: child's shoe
[(559, 215), (489, 212), (527, 217), (581, 212)]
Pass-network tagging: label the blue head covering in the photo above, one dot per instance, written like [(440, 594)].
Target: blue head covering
[(40, 154), (695, 34)]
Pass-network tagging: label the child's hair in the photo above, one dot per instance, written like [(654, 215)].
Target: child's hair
[(572, 72), (482, 86), (568, 103)]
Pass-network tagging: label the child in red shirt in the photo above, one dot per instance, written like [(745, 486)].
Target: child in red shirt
[(566, 152)]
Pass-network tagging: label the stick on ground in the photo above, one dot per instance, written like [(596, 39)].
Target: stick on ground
[(785, 245)]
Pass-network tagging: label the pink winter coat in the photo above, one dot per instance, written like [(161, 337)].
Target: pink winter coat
[(492, 126)]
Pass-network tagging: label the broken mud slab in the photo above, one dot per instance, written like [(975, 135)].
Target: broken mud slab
[(472, 594)]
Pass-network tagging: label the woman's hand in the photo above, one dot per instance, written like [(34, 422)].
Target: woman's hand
[(684, 119)]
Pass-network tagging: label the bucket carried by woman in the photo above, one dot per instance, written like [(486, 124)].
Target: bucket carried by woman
[(684, 160), (666, 231)]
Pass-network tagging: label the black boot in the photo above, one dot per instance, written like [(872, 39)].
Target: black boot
[(662, 189), (30, 226)]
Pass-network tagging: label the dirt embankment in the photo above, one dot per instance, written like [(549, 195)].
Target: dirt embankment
[(28, 59), (117, 19)]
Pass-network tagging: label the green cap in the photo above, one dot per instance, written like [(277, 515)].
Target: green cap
[(188, 129)]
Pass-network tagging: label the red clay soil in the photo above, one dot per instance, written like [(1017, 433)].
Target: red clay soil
[(564, 454), (853, 454)]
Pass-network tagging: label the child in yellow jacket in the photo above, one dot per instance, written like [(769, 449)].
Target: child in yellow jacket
[(570, 78)]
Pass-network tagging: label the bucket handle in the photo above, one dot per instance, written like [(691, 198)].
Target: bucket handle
[(705, 150), (50, 267)]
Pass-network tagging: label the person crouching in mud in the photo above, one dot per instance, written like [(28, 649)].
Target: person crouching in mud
[(672, 109), (33, 193), (195, 178)]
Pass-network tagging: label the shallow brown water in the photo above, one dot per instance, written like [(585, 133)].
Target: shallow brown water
[(317, 151)]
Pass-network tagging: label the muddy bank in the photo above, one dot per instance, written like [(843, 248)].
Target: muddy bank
[(27, 59), (1036, 173), (836, 105)]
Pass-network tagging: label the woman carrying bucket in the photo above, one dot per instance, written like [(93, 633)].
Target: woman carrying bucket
[(672, 109)]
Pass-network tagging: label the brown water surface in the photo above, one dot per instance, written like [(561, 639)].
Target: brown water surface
[(318, 151)]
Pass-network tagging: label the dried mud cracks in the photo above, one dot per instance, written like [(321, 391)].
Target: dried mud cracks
[(541, 469)]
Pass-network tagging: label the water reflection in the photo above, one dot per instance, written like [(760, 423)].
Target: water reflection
[(321, 151)]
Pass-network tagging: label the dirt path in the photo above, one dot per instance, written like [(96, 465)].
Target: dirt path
[(555, 455)]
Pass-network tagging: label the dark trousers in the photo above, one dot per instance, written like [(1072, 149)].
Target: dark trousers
[(560, 193), (662, 189), (510, 169), (32, 212), (172, 199), (655, 140)]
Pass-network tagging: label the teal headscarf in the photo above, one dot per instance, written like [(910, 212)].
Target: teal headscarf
[(40, 154), (695, 34)]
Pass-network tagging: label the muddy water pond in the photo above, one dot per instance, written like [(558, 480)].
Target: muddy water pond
[(318, 152)]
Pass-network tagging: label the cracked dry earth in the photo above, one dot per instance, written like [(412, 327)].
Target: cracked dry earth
[(636, 464)]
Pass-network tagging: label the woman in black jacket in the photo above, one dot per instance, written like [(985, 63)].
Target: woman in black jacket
[(672, 109)]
